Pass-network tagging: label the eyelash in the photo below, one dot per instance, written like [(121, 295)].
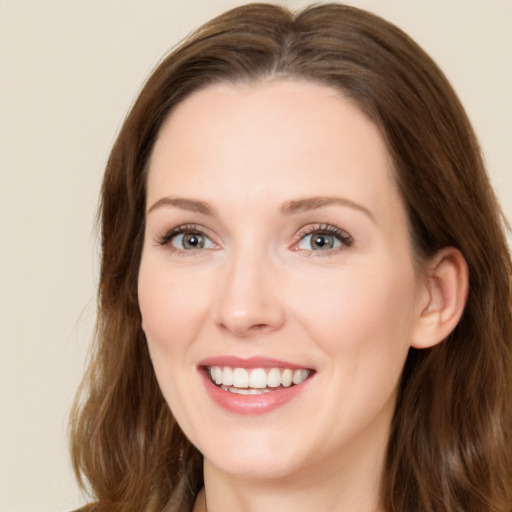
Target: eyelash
[(323, 229), (192, 229)]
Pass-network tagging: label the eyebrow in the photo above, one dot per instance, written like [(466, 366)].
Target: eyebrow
[(289, 208), (191, 205), (313, 203)]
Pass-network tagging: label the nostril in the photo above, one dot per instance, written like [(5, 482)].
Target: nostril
[(244, 330)]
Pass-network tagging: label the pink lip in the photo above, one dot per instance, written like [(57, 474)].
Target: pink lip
[(251, 362), (249, 405)]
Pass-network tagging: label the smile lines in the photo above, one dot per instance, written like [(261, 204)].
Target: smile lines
[(256, 381)]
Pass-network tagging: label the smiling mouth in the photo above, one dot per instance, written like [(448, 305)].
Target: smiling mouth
[(256, 381)]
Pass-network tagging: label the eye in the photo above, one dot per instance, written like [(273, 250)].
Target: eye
[(186, 238), (319, 242), (324, 238), (188, 241)]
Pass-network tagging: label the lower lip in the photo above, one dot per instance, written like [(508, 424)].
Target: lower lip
[(252, 405)]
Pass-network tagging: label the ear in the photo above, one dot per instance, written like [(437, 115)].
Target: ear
[(442, 305)]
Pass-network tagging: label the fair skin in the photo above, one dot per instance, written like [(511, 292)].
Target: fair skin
[(275, 235)]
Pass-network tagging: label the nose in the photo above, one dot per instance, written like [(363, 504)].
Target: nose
[(250, 298)]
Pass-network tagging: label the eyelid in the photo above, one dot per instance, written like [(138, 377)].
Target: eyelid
[(165, 239), (343, 236), (345, 239)]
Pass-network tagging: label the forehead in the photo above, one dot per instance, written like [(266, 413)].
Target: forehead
[(277, 139)]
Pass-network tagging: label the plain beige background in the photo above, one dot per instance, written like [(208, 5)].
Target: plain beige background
[(69, 71)]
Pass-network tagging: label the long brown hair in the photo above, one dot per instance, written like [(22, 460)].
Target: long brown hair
[(450, 446)]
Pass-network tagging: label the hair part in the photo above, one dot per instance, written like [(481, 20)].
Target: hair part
[(450, 446)]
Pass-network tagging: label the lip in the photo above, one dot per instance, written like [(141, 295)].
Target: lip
[(250, 405), (250, 362)]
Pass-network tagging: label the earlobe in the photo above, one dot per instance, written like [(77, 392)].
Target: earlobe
[(445, 298)]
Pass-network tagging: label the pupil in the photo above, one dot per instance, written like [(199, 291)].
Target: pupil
[(323, 242), (193, 241)]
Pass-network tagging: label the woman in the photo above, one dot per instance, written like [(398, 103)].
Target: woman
[(304, 297)]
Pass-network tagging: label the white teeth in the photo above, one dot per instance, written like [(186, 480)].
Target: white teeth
[(243, 381), (258, 379), (246, 391), (299, 376), (286, 378), (227, 376), (240, 378), (217, 375), (274, 378)]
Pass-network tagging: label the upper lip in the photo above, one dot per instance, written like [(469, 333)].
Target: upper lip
[(249, 362)]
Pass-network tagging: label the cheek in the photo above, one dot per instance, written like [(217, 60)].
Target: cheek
[(172, 309), (171, 305), (367, 308)]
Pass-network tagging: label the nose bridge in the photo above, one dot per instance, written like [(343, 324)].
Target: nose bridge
[(249, 300)]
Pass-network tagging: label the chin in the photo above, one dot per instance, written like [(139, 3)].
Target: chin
[(262, 468), (255, 457)]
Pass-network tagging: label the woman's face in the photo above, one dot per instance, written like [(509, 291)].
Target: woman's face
[(277, 258)]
